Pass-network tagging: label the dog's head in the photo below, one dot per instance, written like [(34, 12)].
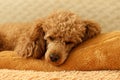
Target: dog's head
[(63, 31)]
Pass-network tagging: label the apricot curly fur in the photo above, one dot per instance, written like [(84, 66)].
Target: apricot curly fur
[(56, 34)]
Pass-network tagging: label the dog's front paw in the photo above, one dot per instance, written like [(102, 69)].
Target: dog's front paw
[(27, 48)]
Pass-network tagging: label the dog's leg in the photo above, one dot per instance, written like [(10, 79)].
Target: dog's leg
[(4, 45), (1, 42)]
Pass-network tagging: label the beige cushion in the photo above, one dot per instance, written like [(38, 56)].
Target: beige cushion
[(106, 13)]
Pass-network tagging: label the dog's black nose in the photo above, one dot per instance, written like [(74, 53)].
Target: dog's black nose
[(54, 57)]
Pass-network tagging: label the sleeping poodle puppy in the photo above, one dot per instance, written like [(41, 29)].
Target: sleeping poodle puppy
[(55, 36)]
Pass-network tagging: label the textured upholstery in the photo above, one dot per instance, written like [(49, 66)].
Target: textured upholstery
[(106, 13)]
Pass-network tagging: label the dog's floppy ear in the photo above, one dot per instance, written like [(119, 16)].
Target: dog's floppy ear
[(91, 30), (37, 35), (32, 43), (36, 30)]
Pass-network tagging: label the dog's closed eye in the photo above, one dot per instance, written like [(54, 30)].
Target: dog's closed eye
[(51, 38), (68, 42)]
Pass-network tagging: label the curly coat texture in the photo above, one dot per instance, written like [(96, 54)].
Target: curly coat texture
[(58, 34), (25, 38)]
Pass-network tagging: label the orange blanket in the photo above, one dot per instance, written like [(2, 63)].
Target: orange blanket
[(101, 52)]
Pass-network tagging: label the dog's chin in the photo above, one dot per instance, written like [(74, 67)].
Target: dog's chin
[(59, 62)]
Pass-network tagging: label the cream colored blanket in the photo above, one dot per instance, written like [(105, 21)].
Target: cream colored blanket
[(62, 75)]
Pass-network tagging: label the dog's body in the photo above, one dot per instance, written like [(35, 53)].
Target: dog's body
[(18, 36), (10, 33), (60, 32)]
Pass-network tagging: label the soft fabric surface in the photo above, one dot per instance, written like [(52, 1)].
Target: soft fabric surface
[(62, 75), (99, 53)]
